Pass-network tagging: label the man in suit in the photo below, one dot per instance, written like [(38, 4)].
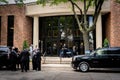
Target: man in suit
[(24, 60)]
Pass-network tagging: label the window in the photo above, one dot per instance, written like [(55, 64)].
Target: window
[(10, 30), (101, 52), (114, 51)]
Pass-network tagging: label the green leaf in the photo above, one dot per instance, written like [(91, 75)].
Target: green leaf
[(4, 1)]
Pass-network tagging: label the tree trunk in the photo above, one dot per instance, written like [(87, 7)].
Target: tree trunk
[(86, 42)]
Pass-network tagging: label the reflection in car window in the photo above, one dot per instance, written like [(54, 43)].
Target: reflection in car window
[(92, 53), (3, 50), (101, 52)]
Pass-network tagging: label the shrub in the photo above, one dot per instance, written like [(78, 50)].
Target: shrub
[(106, 43), (25, 44)]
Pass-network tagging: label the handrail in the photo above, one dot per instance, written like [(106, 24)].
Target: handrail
[(44, 57)]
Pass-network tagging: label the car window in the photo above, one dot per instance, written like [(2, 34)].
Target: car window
[(92, 53), (4, 50), (101, 52), (113, 51)]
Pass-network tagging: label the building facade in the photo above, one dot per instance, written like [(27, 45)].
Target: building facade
[(30, 22)]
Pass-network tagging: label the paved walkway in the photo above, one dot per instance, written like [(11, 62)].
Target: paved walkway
[(59, 75), (59, 72)]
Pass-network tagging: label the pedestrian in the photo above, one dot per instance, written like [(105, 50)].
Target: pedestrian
[(24, 60), (18, 60), (31, 50), (74, 50), (37, 60), (34, 57), (13, 59)]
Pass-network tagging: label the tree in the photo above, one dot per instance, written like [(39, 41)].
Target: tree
[(82, 22)]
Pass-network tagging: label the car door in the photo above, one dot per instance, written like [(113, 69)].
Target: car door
[(100, 59), (114, 56)]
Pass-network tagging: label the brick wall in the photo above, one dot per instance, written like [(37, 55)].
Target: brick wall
[(22, 25), (115, 24)]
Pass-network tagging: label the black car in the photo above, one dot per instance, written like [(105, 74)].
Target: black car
[(100, 58), (4, 56)]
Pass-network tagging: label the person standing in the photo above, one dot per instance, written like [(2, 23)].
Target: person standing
[(34, 57), (37, 60), (24, 60), (18, 59), (74, 50), (13, 59), (31, 50)]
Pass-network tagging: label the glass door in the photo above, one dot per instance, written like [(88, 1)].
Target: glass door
[(57, 32)]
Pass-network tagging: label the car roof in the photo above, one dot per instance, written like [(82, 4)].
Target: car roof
[(110, 48), (4, 46)]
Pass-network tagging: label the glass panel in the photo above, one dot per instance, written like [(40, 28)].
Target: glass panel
[(10, 34), (61, 30)]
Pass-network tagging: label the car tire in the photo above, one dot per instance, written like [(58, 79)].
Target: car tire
[(84, 66)]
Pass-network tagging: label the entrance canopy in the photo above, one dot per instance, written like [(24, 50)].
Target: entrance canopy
[(61, 9)]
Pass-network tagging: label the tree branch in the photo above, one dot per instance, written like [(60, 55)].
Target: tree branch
[(89, 3), (96, 14), (77, 19)]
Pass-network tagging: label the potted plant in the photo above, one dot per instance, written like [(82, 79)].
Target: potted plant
[(25, 44), (106, 43)]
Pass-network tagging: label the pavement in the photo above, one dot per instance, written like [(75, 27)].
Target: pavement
[(60, 72)]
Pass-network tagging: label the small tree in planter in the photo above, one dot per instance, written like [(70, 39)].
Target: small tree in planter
[(106, 43), (25, 45)]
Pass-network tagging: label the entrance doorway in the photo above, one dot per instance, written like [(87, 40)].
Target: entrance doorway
[(58, 32)]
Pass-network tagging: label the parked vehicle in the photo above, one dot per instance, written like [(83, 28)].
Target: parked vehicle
[(100, 58), (66, 53), (4, 56)]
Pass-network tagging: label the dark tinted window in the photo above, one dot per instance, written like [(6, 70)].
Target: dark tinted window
[(114, 51), (101, 52)]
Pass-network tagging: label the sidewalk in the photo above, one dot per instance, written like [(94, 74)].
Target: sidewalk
[(58, 72), (58, 75)]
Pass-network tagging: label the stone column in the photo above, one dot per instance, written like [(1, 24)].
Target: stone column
[(99, 32), (36, 31)]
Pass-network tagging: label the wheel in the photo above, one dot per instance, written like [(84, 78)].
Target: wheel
[(84, 66)]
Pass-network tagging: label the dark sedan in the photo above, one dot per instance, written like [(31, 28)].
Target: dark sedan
[(100, 58)]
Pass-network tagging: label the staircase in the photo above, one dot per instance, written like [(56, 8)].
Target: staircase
[(56, 60)]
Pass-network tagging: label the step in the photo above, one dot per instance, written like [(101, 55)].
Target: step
[(56, 60)]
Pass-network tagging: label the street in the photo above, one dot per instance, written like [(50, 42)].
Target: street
[(60, 72)]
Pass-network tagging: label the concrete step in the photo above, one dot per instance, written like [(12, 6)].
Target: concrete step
[(56, 67), (56, 60)]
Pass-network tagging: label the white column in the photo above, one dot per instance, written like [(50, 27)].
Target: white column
[(36, 31), (99, 32)]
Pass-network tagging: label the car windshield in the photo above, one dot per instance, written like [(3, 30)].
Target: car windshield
[(3, 49)]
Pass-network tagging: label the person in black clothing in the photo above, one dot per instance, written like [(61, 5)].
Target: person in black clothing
[(13, 59), (36, 60), (18, 59), (24, 60)]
